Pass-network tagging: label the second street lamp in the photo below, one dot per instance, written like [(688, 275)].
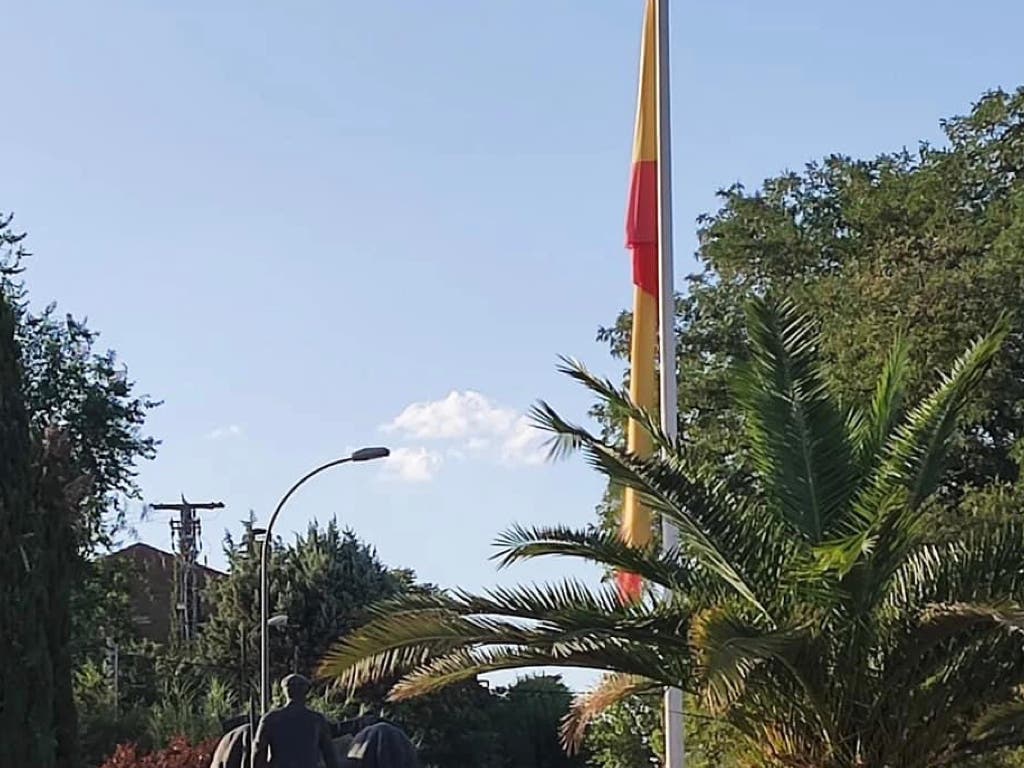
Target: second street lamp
[(363, 454)]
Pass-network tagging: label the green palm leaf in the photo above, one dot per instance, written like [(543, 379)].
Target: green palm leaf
[(604, 548), (914, 457), (679, 502), (610, 654), (1003, 722), (872, 428), (408, 634), (797, 433)]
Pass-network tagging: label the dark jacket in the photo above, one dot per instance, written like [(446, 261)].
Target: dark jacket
[(382, 745), (293, 737), (233, 749)]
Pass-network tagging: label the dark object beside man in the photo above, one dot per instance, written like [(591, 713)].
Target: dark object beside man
[(381, 745)]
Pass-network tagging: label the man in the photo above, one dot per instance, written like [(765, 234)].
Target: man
[(293, 736)]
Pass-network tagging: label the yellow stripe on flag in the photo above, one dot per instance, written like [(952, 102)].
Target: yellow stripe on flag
[(642, 239)]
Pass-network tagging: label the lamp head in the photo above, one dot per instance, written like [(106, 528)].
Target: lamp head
[(369, 454)]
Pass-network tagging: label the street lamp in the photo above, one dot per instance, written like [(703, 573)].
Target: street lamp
[(363, 454)]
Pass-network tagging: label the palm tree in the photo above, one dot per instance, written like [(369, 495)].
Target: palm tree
[(806, 603)]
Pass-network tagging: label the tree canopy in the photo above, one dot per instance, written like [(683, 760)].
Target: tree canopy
[(926, 243)]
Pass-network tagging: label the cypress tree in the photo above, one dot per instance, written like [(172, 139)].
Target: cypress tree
[(27, 736), (59, 489)]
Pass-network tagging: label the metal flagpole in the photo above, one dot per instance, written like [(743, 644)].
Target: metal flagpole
[(675, 750)]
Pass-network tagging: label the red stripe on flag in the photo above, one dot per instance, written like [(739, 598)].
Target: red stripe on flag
[(642, 225), (631, 587)]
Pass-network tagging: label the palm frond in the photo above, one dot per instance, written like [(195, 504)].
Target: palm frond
[(953, 618), (999, 721), (669, 492), (797, 433), (946, 695), (915, 454), (888, 509), (414, 634), (612, 689), (729, 650), (601, 547), (919, 448), (621, 403), (609, 654), (876, 423), (987, 564)]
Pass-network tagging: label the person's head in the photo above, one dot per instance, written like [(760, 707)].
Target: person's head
[(295, 688)]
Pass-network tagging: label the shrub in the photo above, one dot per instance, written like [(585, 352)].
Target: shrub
[(179, 754)]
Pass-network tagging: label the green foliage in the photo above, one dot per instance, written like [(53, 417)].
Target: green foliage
[(323, 581), (630, 733), (627, 734), (26, 682), (928, 243), (530, 718), (67, 413), (458, 726), (190, 710), (925, 242), (808, 607), (467, 724), (101, 608), (67, 381)]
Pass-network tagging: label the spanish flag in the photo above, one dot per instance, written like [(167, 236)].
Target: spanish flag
[(642, 240)]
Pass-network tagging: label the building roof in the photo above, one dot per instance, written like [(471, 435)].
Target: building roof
[(152, 594)]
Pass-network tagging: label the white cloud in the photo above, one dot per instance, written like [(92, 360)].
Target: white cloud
[(220, 433), (471, 425), (413, 465), (459, 415)]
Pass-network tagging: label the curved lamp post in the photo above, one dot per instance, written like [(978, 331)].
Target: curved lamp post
[(363, 454)]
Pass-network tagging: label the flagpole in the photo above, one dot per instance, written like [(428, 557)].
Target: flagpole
[(675, 750)]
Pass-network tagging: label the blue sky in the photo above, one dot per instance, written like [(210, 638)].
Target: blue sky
[(296, 220)]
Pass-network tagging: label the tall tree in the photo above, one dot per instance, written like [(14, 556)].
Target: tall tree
[(27, 733), (59, 489), (322, 581), (83, 425), (530, 719), (808, 609)]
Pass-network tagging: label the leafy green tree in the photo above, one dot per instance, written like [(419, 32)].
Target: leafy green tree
[(27, 728), (460, 725), (83, 427), (629, 734), (68, 382), (322, 582), (530, 718), (926, 242), (808, 609)]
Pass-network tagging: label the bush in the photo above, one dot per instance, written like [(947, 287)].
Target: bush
[(180, 754)]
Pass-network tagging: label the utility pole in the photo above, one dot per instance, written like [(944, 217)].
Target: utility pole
[(116, 672), (186, 541)]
